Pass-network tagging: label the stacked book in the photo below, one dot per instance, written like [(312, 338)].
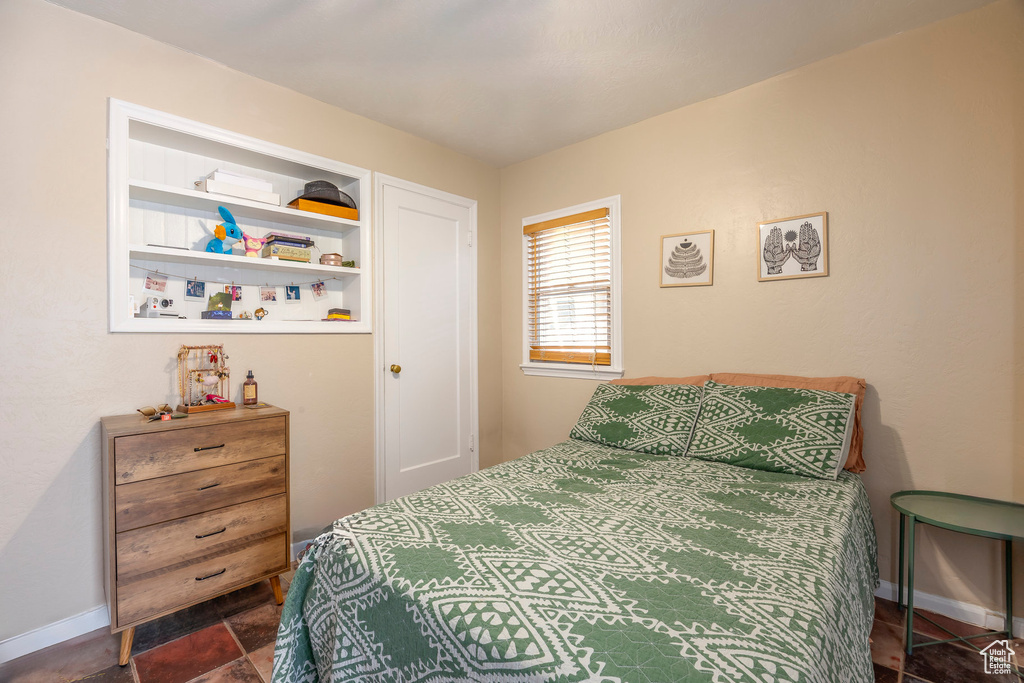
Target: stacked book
[(280, 245), (241, 186), (338, 314)]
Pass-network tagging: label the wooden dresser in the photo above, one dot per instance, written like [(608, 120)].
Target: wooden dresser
[(196, 507)]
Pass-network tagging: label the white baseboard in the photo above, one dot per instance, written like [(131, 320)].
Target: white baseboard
[(72, 627), (954, 609), (54, 633)]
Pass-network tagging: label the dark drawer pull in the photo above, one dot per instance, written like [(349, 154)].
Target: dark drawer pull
[(208, 486), (213, 533), (206, 448), (210, 576)]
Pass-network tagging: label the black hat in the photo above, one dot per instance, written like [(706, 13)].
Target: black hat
[(326, 192)]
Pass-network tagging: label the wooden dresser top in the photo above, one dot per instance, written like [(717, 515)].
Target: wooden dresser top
[(122, 425)]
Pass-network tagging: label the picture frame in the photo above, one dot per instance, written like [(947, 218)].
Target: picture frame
[(155, 282), (292, 294), (268, 295), (195, 289), (688, 259), (794, 247), (235, 291), (319, 290)]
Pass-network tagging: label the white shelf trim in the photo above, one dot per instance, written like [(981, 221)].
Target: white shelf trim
[(193, 199), (203, 258), (235, 326)]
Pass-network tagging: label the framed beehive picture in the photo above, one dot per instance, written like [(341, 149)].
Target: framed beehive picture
[(793, 247), (688, 259)]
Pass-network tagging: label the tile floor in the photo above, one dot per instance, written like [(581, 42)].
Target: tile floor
[(231, 640), (228, 639), (946, 663)]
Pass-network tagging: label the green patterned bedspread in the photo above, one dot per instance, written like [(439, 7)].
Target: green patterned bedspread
[(583, 562)]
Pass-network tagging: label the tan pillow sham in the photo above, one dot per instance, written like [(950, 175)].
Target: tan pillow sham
[(846, 385)]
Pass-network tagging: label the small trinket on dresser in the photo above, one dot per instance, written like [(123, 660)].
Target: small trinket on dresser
[(249, 390)]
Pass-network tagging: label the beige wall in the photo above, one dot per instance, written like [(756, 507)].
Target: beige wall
[(62, 370), (913, 146)]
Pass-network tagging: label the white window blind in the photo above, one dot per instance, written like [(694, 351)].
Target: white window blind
[(569, 288)]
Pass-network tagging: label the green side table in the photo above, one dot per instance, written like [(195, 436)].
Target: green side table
[(966, 514)]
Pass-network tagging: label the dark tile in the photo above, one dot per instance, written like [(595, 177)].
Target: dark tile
[(113, 674), (947, 663), (256, 627), (67, 661), (243, 599), (238, 671), (886, 610), (203, 615), (186, 658), (947, 626), (884, 675), (887, 645), (165, 629)]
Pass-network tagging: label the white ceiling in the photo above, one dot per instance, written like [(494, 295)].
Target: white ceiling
[(506, 80)]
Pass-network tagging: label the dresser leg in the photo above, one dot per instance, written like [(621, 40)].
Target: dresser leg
[(275, 583), (126, 645)]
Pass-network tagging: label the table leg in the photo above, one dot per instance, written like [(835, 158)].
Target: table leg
[(127, 636), (910, 586), (275, 584), (899, 579), (1008, 544)]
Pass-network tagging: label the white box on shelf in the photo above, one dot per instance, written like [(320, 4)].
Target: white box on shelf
[(232, 190), (239, 179)]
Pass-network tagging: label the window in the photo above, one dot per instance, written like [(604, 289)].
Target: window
[(571, 299)]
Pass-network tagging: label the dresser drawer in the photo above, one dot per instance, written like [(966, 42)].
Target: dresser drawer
[(162, 545), (145, 456), (153, 501), (139, 600)]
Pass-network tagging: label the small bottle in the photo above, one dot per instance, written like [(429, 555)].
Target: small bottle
[(249, 391)]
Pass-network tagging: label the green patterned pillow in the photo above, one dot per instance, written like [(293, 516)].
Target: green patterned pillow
[(650, 419), (798, 431)]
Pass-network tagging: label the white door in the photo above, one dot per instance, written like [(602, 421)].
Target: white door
[(426, 337)]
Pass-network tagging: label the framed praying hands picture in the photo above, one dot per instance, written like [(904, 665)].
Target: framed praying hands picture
[(793, 247)]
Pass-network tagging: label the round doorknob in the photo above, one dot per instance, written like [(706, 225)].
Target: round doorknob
[(396, 369)]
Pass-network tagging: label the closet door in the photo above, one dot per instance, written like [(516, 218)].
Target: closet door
[(427, 345)]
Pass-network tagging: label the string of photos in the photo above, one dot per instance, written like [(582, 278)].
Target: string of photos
[(219, 303)]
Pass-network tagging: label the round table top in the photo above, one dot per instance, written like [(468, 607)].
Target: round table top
[(969, 514)]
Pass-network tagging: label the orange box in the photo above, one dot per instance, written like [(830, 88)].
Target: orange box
[(324, 208)]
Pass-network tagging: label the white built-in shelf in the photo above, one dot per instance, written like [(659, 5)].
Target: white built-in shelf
[(240, 208), (154, 162), (172, 255)]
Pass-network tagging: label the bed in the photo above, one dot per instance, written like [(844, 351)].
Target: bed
[(586, 562)]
